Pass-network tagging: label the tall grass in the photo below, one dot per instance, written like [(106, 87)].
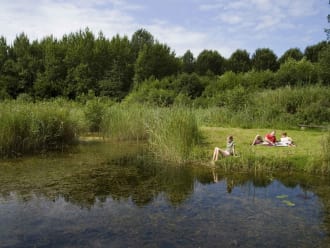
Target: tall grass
[(175, 135), (172, 133), (281, 108), (324, 164), (126, 122), (36, 127)]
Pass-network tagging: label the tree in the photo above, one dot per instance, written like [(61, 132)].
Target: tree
[(210, 61), (25, 64), (102, 58), (122, 64), (239, 61), (157, 61), (324, 63), (79, 59), (294, 72), (50, 81), (3, 52), (140, 39), (188, 62), (3, 58), (264, 59), (189, 85), (293, 53), (312, 52)]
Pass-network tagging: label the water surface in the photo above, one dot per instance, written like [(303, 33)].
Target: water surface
[(115, 195)]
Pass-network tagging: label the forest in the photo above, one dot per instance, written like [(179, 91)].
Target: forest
[(81, 63)]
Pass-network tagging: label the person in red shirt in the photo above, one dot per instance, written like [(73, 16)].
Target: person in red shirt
[(271, 138)]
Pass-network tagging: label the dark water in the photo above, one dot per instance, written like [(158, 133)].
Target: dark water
[(106, 195)]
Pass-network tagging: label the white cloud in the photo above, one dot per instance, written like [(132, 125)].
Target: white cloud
[(177, 37), (42, 18)]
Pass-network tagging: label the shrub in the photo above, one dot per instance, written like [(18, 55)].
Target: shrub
[(94, 112)]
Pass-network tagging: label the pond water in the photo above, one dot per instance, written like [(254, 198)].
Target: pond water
[(116, 195)]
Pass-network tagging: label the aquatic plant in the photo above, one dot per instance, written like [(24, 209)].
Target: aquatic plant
[(325, 154), (174, 135), (125, 122), (36, 127)]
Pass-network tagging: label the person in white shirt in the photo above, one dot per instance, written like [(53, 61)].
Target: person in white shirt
[(285, 140)]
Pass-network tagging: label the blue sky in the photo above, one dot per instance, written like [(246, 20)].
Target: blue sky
[(196, 25)]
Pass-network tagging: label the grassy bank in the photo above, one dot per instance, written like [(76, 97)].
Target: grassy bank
[(310, 153)]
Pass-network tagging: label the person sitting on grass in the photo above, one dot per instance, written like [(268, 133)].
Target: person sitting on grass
[(285, 140), (229, 151), (257, 140), (270, 139)]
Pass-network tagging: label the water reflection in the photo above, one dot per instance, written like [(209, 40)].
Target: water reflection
[(96, 196)]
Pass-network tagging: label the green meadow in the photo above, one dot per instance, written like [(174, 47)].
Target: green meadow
[(310, 153)]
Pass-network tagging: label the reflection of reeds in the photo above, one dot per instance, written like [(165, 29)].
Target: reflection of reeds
[(35, 127)]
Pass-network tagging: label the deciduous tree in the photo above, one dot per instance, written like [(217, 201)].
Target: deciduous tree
[(264, 59)]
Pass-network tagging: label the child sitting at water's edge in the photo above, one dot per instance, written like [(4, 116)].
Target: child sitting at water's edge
[(229, 151)]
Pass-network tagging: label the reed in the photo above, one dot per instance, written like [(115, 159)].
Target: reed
[(126, 122), (281, 108), (321, 165), (36, 127), (174, 135)]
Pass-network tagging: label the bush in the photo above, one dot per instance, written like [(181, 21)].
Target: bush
[(94, 112), (294, 72)]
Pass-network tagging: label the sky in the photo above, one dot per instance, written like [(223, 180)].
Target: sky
[(195, 25)]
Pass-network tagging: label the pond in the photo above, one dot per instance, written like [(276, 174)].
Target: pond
[(115, 195)]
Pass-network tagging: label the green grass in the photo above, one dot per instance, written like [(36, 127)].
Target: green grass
[(308, 155), (27, 128), (174, 135)]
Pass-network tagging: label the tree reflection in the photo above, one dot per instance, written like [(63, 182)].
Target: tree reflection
[(85, 179)]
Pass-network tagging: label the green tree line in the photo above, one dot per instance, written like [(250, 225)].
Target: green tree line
[(80, 63)]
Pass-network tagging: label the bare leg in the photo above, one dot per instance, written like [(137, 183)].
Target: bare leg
[(256, 139), (216, 153)]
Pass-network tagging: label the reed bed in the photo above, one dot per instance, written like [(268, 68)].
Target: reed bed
[(281, 108), (36, 127), (174, 135), (321, 164), (126, 122)]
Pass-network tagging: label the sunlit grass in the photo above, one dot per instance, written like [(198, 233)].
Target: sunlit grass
[(304, 156), (36, 127)]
